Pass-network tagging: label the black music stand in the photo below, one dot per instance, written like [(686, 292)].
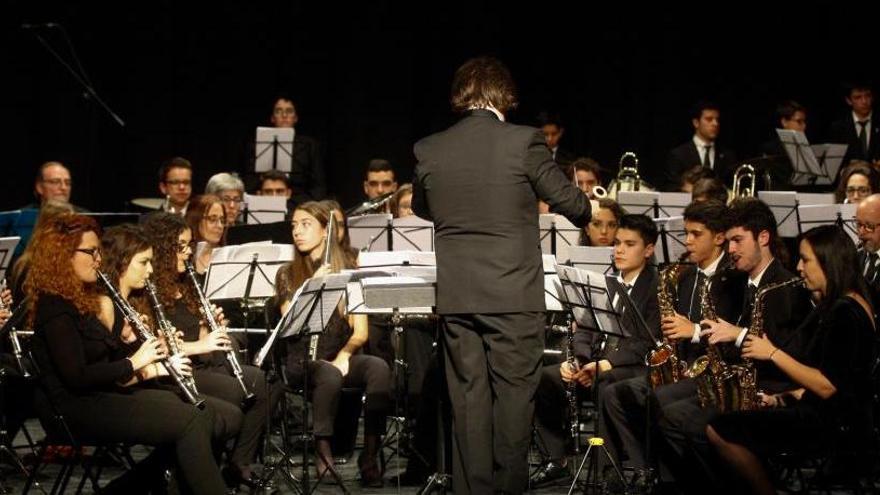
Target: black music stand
[(411, 233), (274, 149), (310, 311), (654, 204), (599, 304), (371, 232), (7, 250), (261, 210), (557, 234), (671, 239)]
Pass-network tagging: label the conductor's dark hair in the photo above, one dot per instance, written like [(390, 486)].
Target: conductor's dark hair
[(701, 106), (711, 213), (836, 255), (642, 224), (755, 216), (788, 108), (481, 82), (176, 162)]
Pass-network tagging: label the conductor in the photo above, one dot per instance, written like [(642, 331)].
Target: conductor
[(480, 181)]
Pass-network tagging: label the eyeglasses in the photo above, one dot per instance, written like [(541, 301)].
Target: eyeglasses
[(182, 247), (95, 253), (214, 219), (867, 226), (58, 182), (179, 182), (861, 190), (231, 199)]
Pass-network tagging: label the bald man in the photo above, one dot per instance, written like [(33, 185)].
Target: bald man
[(868, 226), (53, 182)]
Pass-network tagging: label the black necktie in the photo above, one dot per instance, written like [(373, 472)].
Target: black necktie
[(863, 135), (871, 271), (695, 313), (745, 318), (708, 163)]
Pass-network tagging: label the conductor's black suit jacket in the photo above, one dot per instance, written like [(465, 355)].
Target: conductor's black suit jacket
[(479, 181)]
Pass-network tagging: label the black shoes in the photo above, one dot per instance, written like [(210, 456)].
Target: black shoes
[(550, 473), (371, 475)]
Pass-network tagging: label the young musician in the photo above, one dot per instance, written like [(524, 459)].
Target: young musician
[(86, 370), (603, 225), (621, 358), (340, 362), (171, 239), (833, 376)]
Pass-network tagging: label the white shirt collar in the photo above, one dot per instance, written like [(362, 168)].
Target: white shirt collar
[(634, 280), (700, 143), (756, 282), (491, 109), (710, 270), (869, 118)]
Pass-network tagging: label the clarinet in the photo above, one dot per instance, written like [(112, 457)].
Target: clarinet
[(13, 335), (166, 329), (571, 390), (249, 396), (144, 332)]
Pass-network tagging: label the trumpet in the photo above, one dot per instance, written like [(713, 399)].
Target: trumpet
[(167, 329), (144, 332), (249, 396)]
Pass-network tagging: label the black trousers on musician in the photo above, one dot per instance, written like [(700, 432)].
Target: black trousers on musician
[(551, 413), (217, 381), (326, 382), (630, 411), (492, 370), (153, 417)]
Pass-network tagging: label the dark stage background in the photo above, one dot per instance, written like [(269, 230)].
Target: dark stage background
[(371, 78)]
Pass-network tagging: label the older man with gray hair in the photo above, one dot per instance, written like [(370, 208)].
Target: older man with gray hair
[(230, 189), (868, 228)]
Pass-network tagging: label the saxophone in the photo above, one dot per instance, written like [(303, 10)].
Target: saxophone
[(663, 362), (745, 372), (716, 381)]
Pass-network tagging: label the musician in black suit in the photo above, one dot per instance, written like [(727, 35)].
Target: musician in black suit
[(791, 116), (754, 248), (701, 149), (551, 126), (868, 225), (479, 182), (858, 130), (307, 177), (625, 404), (617, 358)]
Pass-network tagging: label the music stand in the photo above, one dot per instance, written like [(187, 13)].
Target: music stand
[(654, 204), (412, 233), (592, 258), (19, 223), (599, 304), (842, 215), (7, 251), (276, 233), (274, 149), (370, 232), (404, 289), (784, 205), (309, 312), (557, 234), (264, 209), (809, 169), (671, 239)]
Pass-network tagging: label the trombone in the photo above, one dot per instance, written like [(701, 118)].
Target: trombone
[(744, 181)]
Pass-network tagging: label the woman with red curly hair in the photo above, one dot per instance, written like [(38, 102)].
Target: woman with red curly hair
[(84, 368), (171, 239)]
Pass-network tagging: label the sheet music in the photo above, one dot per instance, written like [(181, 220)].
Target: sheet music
[(566, 235), (370, 232), (551, 284), (593, 258), (264, 209), (412, 233), (7, 249), (230, 266), (267, 155), (638, 202), (672, 230), (333, 292), (395, 258), (816, 215), (806, 166), (783, 204), (597, 297), (831, 156)]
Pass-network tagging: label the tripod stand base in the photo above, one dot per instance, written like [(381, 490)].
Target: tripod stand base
[(593, 483), (437, 483)]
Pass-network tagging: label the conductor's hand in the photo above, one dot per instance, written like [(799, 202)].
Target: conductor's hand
[(182, 364), (341, 363), (149, 352), (217, 341), (719, 331), (677, 327), (758, 348)]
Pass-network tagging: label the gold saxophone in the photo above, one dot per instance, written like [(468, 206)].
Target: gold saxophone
[(745, 373), (663, 362)]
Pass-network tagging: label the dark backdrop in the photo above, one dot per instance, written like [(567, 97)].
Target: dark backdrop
[(370, 78)]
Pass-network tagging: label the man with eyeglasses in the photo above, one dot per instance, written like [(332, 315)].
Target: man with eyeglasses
[(175, 184), (230, 189), (868, 227), (306, 178), (53, 182)]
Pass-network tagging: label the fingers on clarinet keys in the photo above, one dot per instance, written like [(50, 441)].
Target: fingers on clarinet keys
[(182, 364)]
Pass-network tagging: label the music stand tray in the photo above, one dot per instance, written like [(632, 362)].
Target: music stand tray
[(370, 232)]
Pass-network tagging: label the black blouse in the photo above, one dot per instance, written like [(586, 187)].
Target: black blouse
[(330, 342), (76, 353)]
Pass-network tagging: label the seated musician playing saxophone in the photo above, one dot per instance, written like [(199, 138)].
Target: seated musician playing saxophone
[(616, 358), (832, 407), (625, 404), (754, 248)]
